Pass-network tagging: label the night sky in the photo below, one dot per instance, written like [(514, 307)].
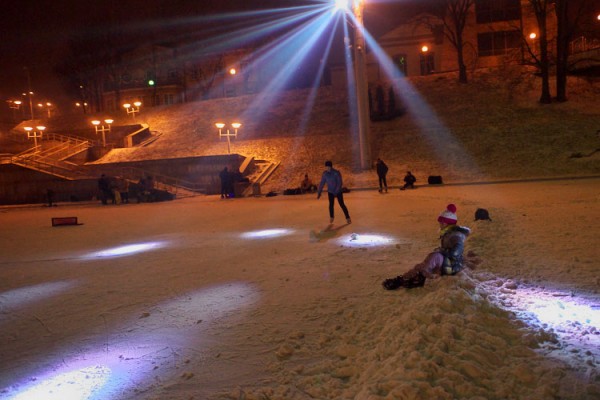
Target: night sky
[(36, 32)]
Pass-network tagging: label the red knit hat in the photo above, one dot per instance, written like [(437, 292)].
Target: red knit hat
[(448, 216)]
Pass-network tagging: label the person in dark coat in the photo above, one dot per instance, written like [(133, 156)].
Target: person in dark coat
[(409, 181), (382, 170), (333, 178), (104, 188), (226, 183)]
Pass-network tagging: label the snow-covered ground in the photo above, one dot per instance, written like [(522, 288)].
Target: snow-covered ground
[(203, 298)]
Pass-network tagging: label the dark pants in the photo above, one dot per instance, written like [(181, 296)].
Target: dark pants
[(340, 199), (382, 182)]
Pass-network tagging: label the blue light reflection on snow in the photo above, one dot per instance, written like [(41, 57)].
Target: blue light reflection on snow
[(266, 233), (365, 240), (24, 295), (573, 320), (133, 358), (79, 384), (126, 250), (558, 310)]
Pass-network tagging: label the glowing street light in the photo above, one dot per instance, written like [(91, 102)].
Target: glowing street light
[(362, 90), (35, 133), (235, 126), (14, 104), (48, 107), (532, 35), (103, 128), (132, 109), (30, 94)]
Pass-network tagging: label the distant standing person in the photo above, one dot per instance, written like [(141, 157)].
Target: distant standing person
[(333, 178), (124, 189), (409, 181), (382, 170), (225, 177), (104, 188), (50, 195)]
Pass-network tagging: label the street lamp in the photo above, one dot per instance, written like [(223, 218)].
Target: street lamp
[(30, 94), (35, 134), (132, 109), (362, 89), (48, 107), (102, 128), (235, 126), (14, 104)]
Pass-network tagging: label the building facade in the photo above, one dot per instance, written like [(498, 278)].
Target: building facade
[(497, 32)]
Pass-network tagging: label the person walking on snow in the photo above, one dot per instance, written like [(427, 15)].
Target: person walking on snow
[(333, 178), (445, 260), (382, 171)]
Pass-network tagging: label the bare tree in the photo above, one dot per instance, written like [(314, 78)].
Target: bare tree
[(571, 17), (540, 9), (453, 14)]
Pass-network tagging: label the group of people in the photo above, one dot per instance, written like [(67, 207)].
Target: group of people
[(445, 260), (116, 189), (382, 170)]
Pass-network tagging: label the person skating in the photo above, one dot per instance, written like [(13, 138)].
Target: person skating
[(333, 178), (445, 260)]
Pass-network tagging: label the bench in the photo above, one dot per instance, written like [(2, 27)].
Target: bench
[(62, 221)]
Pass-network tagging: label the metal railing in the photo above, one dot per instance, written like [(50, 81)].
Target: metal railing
[(161, 181)]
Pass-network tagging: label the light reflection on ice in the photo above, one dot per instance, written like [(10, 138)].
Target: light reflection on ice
[(78, 384), (573, 319), (22, 296), (365, 240), (266, 233), (127, 249), (146, 351)]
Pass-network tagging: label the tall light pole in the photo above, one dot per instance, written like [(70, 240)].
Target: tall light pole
[(362, 88), (102, 128), (132, 110), (235, 126), (35, 134)]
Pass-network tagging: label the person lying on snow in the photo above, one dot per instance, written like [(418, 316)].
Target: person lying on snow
[(445, 260)]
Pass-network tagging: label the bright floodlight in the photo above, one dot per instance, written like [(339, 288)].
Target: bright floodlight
[(137, 103), (236, 125), (341, 4), (220, 125), (126, 105)]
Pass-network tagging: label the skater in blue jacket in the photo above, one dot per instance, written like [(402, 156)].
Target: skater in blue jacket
[(333, 178)]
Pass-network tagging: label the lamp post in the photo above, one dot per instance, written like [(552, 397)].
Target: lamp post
[(102, 128), (30, 94), (48, 106), (235, 126), (35, 134), (362, 90), (14, 105), (132, 109)]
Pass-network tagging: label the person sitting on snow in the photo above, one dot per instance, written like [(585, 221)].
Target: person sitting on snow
[(445, 260)]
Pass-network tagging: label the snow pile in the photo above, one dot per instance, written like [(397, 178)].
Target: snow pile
[(444, 341)]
